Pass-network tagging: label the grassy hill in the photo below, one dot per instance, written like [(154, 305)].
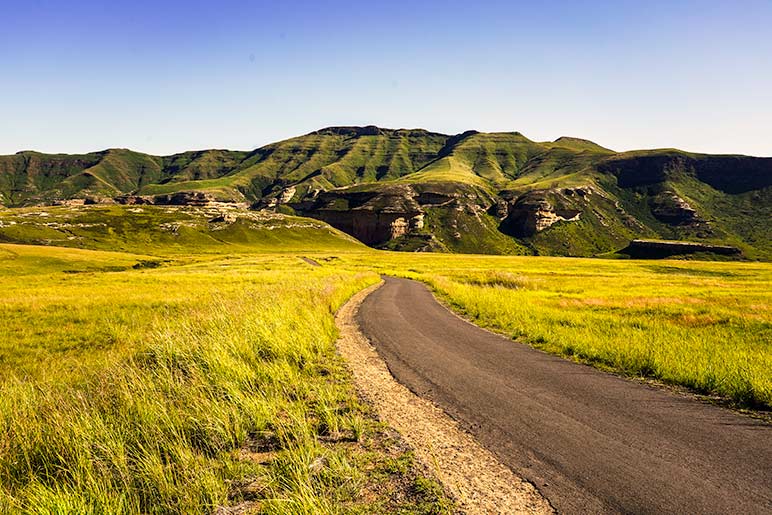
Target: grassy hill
[(413, 189), (169, 230)]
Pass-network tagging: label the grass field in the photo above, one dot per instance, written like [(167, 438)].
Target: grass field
[(182, 388), (179, 383)]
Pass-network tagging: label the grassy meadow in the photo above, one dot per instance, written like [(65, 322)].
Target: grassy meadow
[(183, 388), (183, 383)]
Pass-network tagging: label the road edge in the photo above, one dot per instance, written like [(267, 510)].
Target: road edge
[(677, 390), (469, 472)]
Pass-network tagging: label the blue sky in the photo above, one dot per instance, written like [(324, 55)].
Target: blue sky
[(168, 76)]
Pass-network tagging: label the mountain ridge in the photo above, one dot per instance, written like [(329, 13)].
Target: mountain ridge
[(415, 189)]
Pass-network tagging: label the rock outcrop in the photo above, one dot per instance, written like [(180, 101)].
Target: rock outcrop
[(373, 217), (656, 249), (180, 198), (671, 209), (134, 200), (537, 210), (184, 198), (377, 216)]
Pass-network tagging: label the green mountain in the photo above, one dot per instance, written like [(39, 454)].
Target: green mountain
[(419, 190)]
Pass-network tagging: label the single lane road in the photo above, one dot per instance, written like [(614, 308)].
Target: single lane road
[(591, 442)]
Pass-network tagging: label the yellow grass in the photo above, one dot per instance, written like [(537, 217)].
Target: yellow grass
[(167, 390), (704, 325), (129, 389)]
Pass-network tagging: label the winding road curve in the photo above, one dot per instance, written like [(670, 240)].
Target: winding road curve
[(589, 441)]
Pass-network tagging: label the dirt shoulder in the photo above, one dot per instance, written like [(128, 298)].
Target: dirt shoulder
[(470, 473)]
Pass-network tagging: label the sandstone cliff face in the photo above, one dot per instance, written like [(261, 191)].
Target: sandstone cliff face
[(379, 216), (730, 174), (184, 198), (286, 195), (134, 200), (180, 198), (369, 227), (537, 210), (373, 217)]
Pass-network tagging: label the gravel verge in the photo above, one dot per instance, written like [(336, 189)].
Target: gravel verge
[(471, 474)]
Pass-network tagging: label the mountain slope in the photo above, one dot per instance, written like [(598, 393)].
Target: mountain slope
[(413, 189)]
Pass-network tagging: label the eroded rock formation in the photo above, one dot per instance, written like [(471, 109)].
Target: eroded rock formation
[(378, 216), (535, 211), (373, 217), (185, 198), (671, 209)]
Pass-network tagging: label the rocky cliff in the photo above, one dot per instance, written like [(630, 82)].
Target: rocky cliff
[(648, 249), (373, 217)]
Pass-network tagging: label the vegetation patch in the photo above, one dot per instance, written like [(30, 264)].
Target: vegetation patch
[(169, 230), (188, 388)]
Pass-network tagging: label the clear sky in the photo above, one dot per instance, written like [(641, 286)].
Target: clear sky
[(168, 76)]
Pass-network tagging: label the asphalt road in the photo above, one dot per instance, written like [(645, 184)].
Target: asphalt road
[(589, 441)]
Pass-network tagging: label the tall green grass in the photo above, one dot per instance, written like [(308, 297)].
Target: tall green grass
[(212, 381)]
